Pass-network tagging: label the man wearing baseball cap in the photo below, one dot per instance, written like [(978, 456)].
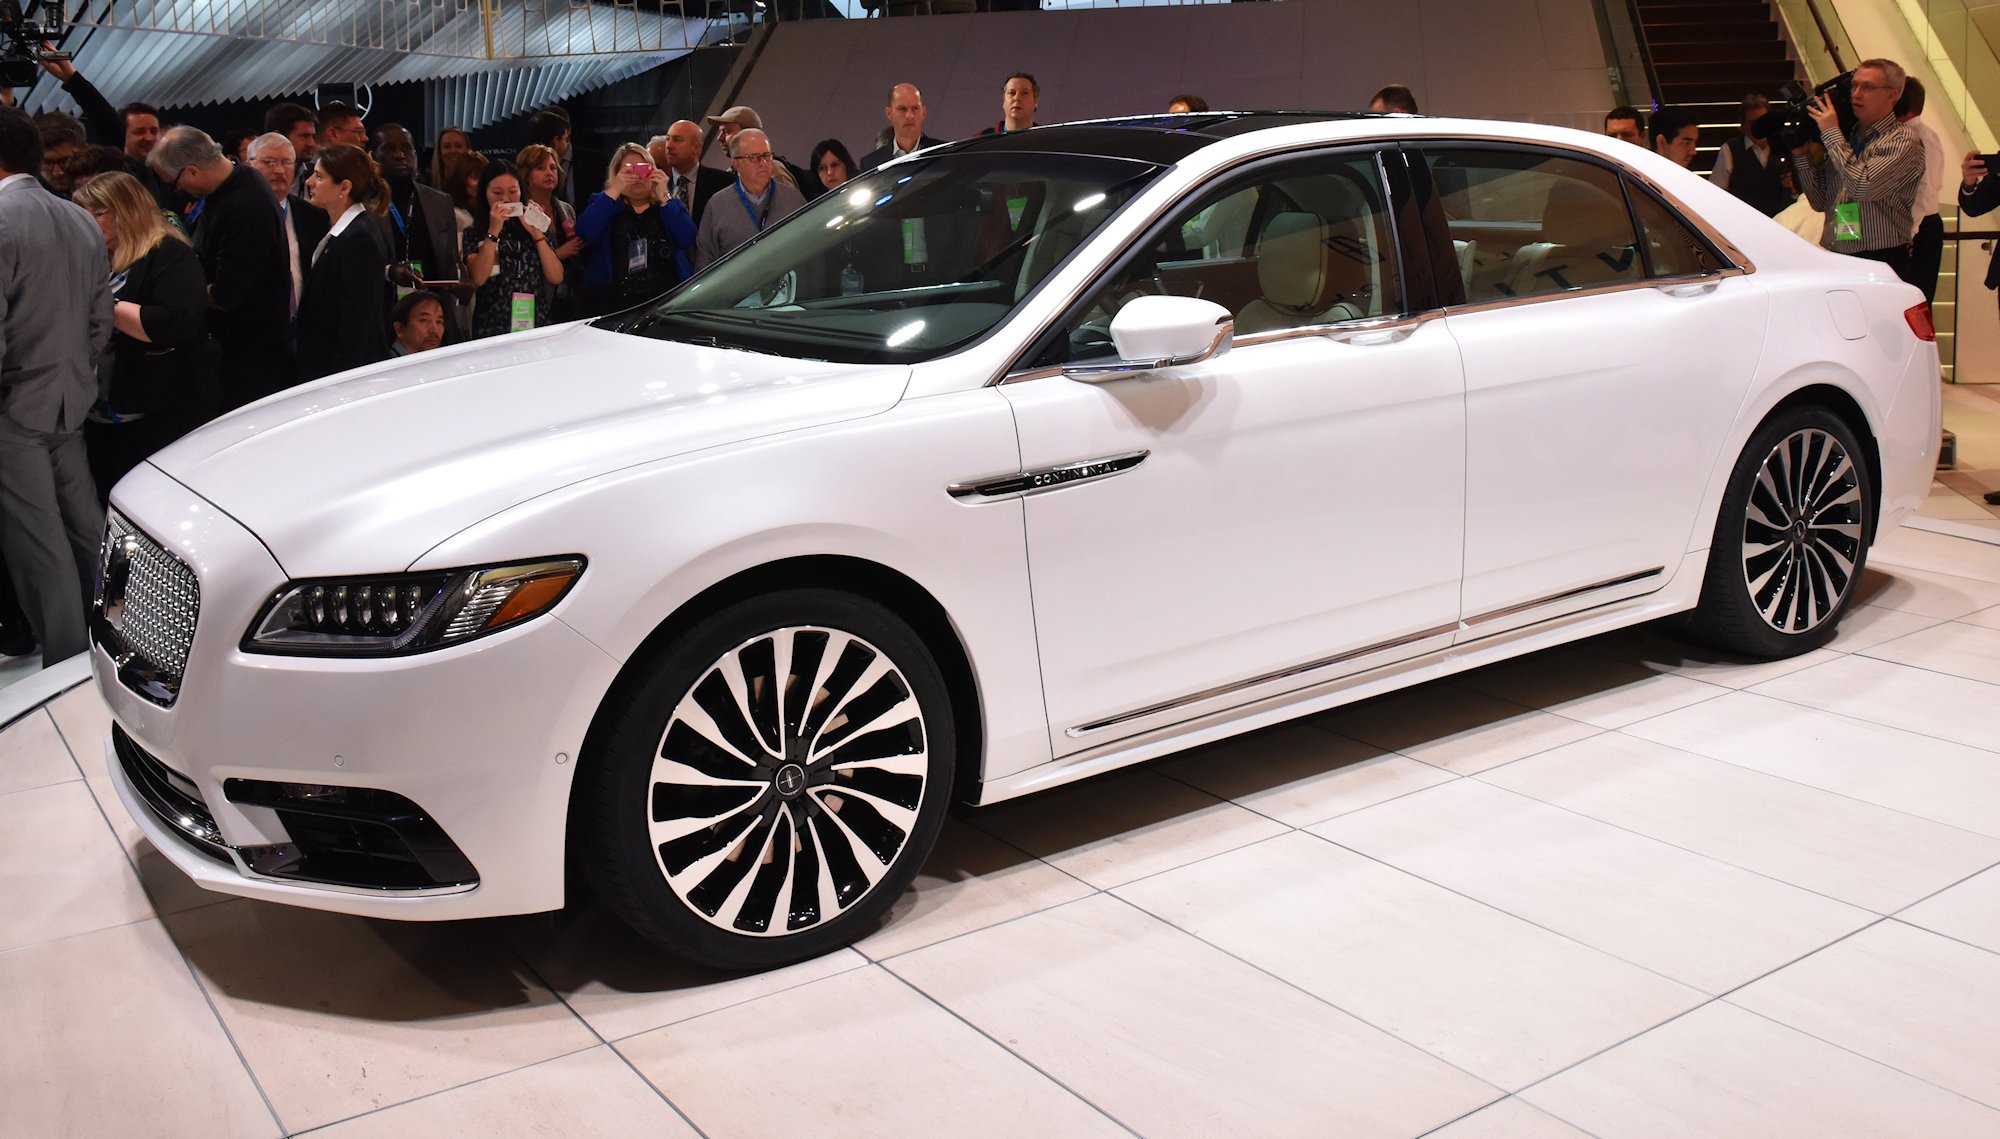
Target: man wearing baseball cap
[(736, 119)]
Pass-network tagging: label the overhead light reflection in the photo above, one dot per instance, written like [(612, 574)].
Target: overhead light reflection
[(1087, 203), (905, 334)]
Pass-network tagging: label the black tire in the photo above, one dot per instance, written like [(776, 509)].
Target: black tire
[(847, 770), (1791, 539)]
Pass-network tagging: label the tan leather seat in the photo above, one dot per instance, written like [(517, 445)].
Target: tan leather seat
[(1308, 274), (1590, 233)]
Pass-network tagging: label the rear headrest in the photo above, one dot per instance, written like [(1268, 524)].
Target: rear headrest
[(1292, 260), (1579, 214)]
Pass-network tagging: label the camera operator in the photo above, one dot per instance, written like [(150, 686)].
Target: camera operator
[(1979, 193), (1865, 184)]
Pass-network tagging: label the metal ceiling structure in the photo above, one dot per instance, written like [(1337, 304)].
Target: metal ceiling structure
[(484, 60)]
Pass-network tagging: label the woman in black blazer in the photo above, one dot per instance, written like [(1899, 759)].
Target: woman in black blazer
[(157, 378), (344, 310)]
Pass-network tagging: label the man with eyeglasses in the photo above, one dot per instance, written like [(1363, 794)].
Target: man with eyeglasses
[(1865, 184), (240, 240), (741, 212)]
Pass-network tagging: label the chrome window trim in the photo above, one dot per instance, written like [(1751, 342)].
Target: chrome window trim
[(1009, 375), (1741, 264)]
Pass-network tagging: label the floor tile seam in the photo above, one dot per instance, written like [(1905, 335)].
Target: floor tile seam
[(1010, 844), (1380, 754), (1512, 916), (1712, 999), (317, 1127), (1877, 1062), (1757, 690), (43, 709), (222, 1023), (1594, 732), (1316, 998), (1869, 654), (1876, 563), (1907, 923), (4, 795), (615, 1041), (953, 1013), (1516, 1096), (1870, 910), (1993, 836)]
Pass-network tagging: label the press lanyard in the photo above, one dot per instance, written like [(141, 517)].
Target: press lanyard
[(397, 215), (770, 196)]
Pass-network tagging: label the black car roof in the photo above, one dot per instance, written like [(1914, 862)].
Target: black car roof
[(1164, 139)]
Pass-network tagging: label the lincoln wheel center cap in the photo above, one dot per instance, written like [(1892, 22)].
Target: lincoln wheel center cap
[(790, 780)]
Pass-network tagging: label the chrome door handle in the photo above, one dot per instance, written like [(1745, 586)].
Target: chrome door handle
[(1691, 288)]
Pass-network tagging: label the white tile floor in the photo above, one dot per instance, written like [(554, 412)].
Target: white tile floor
[(1626, 888)]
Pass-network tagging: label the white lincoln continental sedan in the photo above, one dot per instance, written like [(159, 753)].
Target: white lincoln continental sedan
[(1013, 462)]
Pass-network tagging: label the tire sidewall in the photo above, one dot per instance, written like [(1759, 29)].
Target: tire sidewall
[(1727, 615), (621, 858)]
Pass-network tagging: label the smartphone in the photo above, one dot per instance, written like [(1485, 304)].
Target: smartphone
[(641, 170), (509, 209), (1992, 162)]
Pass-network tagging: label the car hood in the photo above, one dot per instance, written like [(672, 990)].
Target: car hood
[(363, 472)]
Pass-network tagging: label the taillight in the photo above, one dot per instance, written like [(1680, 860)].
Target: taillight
[(1919, 317)]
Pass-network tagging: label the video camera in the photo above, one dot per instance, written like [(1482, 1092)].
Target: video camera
[(25, 26), (1789, 126)]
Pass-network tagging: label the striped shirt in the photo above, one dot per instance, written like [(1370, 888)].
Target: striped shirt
[(1880, 171)]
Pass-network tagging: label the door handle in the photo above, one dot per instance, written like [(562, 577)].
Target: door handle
[(1690, 288)]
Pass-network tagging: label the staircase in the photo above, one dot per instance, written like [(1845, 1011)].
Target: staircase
[(1708, 54)]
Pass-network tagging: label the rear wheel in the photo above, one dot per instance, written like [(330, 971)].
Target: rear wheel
[(1791, 538), (774, 781)]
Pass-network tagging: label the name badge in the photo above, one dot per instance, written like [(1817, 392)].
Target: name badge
[(1847, 221), (635, 255), (523, 317)]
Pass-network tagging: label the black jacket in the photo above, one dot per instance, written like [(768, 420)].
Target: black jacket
[(343, 316), (241, 244), (883, 154), (1980, 199), (708, 181), (174, 373), (310, 223)]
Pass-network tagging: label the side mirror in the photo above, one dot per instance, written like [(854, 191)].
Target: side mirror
[(1155, 332)]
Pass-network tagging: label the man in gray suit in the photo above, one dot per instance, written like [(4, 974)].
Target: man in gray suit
[(55, 318)]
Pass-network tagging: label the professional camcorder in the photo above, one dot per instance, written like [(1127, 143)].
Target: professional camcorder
[(25, 27), (1789, 126)]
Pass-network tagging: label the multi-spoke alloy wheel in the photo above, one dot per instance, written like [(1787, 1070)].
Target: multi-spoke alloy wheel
[(1802, 531), (795, 762), (1791, 538)]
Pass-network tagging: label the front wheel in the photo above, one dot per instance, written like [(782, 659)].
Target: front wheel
[(1791, 538), (773, 782)]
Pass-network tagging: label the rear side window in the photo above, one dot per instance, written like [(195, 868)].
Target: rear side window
[(1526, 223), (1672, 249)]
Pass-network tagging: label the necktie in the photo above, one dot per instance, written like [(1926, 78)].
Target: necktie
[(681, 192), (293, 278)]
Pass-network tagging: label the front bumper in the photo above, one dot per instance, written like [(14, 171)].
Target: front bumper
[(462, 757)]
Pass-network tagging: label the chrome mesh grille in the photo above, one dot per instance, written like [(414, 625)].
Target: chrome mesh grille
[(161, 598)]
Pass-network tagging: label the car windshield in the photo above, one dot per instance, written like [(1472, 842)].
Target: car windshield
[(903, 264)]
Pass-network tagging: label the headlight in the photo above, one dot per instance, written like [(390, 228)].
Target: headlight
[(396, 614)]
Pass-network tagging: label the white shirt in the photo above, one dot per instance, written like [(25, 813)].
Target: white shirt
[(292, 252), (1931, 188)]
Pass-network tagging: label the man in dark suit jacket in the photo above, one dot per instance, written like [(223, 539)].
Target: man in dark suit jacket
[(55, 318), (240, 237), (272, 156), (688, 181), (421, 227), (1978, 193), (906, 119)]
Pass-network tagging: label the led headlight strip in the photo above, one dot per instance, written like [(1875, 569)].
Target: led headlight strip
[(398, 614)]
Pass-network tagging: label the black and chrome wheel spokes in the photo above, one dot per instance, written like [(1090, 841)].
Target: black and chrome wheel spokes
[(788, 780), (1802, 531)]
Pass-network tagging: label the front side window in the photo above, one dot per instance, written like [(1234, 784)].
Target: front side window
[(1525, 223), (903, 264), (1297, 245)]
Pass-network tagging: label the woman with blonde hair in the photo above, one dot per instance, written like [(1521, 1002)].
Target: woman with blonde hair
[(639, 237), (452, 144), (541, 174), (344, 308), (157, 377)]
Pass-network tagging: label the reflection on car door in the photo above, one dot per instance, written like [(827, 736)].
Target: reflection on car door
[(1300, 498), (1590, 412)]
